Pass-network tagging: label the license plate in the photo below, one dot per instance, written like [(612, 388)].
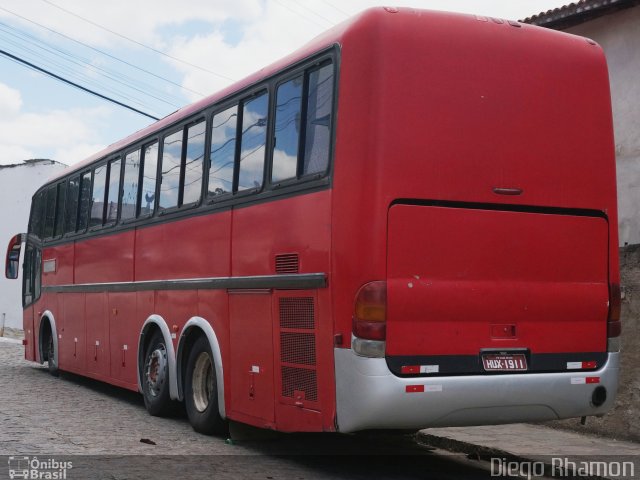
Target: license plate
[(499, 362)]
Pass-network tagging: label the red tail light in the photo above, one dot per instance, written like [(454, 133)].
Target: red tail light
[(614, 327), (370, 316)]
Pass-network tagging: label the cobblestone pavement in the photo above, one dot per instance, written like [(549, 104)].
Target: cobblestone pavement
[(99, 429)]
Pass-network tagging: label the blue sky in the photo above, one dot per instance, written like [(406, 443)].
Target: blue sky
[(216, 42)]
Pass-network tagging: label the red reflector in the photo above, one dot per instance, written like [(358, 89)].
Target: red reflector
[(415, 388), (24, 341), (593, 379), (410, 369), (589, 364)]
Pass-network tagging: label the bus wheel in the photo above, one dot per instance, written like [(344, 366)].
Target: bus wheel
[(201, 391), (155, 378), (51, 356)]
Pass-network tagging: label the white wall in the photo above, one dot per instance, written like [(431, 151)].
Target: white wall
[(619, 36), (17, 185)]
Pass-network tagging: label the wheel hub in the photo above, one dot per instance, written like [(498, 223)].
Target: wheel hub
[(156, 371)]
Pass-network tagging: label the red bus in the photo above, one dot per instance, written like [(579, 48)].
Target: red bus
[(409, 222)]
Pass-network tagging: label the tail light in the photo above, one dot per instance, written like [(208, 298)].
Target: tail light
[(614, 326), (370, 316)]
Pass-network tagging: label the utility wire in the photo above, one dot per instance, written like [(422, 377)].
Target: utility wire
[(101, 52), (138, 43), (73, 84), (77, 60)]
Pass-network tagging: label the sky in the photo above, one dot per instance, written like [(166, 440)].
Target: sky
[(155, 56)]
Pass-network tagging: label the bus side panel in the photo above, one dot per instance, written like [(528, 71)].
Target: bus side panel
[(124, 330), (190, 248), (297, 225), (72, 335), (92, 265)]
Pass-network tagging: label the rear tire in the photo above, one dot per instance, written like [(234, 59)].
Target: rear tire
[(155, 378), (201, 390)]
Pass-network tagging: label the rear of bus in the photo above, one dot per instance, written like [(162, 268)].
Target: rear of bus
[(475, 270)]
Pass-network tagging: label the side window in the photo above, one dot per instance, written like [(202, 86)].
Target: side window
[(149, 173), (170, 175), (85, 202), (318, 122), (252, 143), (287, 129), (192, 186), (223, 149), (302, 136), (97, 200), (114, 191), (60, 204), (130, 185), (36, 220), (50, 212), (73, 191)]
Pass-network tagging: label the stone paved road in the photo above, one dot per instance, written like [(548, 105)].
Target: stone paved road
[(99, 427)]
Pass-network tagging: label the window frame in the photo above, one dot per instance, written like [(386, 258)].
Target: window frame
[(104, 194), (115, 158), (305, 71), (184, 128)]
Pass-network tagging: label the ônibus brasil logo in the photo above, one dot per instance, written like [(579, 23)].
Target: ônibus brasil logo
[(40, 469)]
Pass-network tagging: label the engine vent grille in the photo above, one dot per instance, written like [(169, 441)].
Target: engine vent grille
[(287, 263), (298, 350), (297, 312), (299, 380)]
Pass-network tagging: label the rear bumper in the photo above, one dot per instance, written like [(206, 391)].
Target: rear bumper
[(369, 396)]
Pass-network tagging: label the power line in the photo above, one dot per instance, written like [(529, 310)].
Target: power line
[(138, 43), (79, 60), (57, 77), (102, 52), (308, 19), (76, 60)]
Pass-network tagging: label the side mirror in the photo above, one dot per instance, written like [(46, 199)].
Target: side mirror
[(12, 266)]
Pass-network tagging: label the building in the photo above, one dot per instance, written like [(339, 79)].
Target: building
[(615, 25), (18, 182)]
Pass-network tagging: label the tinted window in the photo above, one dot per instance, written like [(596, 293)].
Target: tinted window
[(318, 122), (62, 191), (130, 185), (50, 212), (149, 173), (223, 149), (85, 202), (170, 176), (193, 163), (287, 129), (37, 215), (97, 200), (71, 207), (254, 135), (114, 190)]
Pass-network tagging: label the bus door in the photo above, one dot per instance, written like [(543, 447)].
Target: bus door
[(31, 283)]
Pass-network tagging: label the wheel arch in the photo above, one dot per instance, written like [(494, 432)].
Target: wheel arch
[(205, 328), (151, 323), (49, 317)]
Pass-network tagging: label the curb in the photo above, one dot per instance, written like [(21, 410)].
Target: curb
[(481, 452), (15, 341)]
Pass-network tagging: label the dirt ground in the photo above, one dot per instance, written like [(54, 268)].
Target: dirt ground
[(623, 421)]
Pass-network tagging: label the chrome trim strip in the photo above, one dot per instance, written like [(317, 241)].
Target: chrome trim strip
[(298, 281)]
